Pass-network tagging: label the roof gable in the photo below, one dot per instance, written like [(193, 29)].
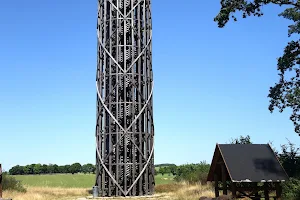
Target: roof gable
[(247, 162)]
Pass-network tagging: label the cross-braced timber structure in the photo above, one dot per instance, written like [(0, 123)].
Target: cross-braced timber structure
[(124, 81)]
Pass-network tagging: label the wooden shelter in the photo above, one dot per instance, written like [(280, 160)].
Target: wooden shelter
[(247, 170)]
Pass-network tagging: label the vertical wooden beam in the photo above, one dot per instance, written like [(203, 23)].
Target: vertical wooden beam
[(216, 185), (233, 189), (278, 191), (224, 179), (0, 181), (256, 193), (266, 191)]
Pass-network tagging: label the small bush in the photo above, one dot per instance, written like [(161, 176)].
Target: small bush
[(193, 177), (10, 183), (192, 173), (291, 189)]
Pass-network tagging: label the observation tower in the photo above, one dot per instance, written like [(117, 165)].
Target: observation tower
[(124, 82)]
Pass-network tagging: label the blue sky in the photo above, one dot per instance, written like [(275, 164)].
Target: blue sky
[(211, 84)]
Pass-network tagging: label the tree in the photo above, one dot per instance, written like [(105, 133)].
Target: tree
[(242, 140), (173, 169), (162, 170), (67, 169), (37, 169), (88, 168), (75, 168), (44, 169), (285, 93), (28, 169), (50, 169), (61, 169), (55, 168), (16, 170), (290, 159)]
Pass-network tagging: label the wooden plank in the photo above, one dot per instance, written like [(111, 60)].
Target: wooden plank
[(266, 191), (256, 193), (278, 191), (224, 179), (217, 194), (233, 189)]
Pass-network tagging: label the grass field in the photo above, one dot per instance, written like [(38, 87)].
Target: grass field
[(68, 186), (172, 191), (73, 181)]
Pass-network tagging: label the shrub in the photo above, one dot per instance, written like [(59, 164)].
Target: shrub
[(10, 183), (291, 189), (193, 173)]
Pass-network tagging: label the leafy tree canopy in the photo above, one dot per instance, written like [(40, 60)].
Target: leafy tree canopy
[(241, 140), (285, 93)]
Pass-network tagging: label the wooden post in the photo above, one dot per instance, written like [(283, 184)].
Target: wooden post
[(256, 193), (0, 181), (266, 191), (278, 191), (216, 185), (233, 190), (224, 179)]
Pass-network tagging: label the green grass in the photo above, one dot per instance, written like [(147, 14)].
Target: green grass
[(73, 181), (58, 180), (163, 179)]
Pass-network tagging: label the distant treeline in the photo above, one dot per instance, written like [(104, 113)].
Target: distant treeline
[(164, 165), (55, 169), (52, 169)]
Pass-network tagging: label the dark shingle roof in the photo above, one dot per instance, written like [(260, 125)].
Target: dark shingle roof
[(253, 162)]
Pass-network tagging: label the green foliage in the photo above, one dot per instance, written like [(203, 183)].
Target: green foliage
[(66, 169), (248, 8), (241, 140), (162, 170), (37, 169), (285, 93), (75, 168), (290, 160), (17, 170), (88, 168), (291, 189), (168, 169), (10, 183), (51, 169), (44, 169), (192, 173)]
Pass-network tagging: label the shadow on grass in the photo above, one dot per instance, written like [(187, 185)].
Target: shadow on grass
[(90, 191)]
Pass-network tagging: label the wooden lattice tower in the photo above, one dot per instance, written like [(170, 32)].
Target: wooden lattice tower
[(124, 81)]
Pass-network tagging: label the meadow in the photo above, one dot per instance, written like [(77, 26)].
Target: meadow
[(68, 186), (174, 191), (73, 181)]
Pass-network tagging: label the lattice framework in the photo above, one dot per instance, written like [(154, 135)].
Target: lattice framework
[(124, 81)]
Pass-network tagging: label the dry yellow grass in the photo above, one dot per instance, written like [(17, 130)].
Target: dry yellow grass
[(192, 192), (47, 193), (179, 191)]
